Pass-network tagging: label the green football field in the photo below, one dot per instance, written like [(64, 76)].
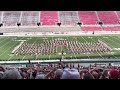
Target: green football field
[(7, 44)]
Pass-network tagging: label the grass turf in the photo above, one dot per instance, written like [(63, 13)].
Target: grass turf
[(7, 44)]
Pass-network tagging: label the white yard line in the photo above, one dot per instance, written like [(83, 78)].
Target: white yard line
[(86, 53), (117, 39), (4, 39), (6, 50), (23, 57), (5, 44), (114, 41), (13, 54), (110, 46), (17, 47)]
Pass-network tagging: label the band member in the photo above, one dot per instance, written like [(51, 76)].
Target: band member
[(62, 52)]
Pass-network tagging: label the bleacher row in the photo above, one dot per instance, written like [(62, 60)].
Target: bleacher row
[(89, 19)]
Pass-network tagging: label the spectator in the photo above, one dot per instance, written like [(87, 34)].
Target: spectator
[(95, 74), (1, 75), (11, 74), (88, 76), (2, 69), (61, 71), (58, 73), (40, 76), (114, 74), (70, 74), (105, 74)]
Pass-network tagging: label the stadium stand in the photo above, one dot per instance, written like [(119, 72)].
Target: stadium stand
[(118, 16), (68, 17), (49, 17), (91, 28), (111, 28), (88, 17), (61, 70), (0, 16), (30, 18), (108, 17), (10, 18)]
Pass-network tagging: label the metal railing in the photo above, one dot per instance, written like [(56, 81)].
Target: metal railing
[(64, 61)]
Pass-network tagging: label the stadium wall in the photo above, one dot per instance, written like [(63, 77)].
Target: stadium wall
[(64, 61)]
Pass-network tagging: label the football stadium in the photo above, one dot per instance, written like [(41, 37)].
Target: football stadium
[(74, 39)]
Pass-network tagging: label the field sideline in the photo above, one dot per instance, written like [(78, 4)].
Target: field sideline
[(7, 44)]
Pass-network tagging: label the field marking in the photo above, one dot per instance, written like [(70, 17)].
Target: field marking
[(23, 57), (81, 36), (117, 39), (114, 41), (105, 37), (4, 43), (4, 39), (15, 48), (7, 49), (86, 53), (13, 54), (109, 45), (90, 37)]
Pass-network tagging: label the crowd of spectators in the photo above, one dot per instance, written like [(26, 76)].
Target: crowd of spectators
[(61, 71)]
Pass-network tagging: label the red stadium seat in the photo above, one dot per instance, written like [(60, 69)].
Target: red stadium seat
[(49, 17), (88, 17), (108, 17), (91, 28), (113, 28)]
